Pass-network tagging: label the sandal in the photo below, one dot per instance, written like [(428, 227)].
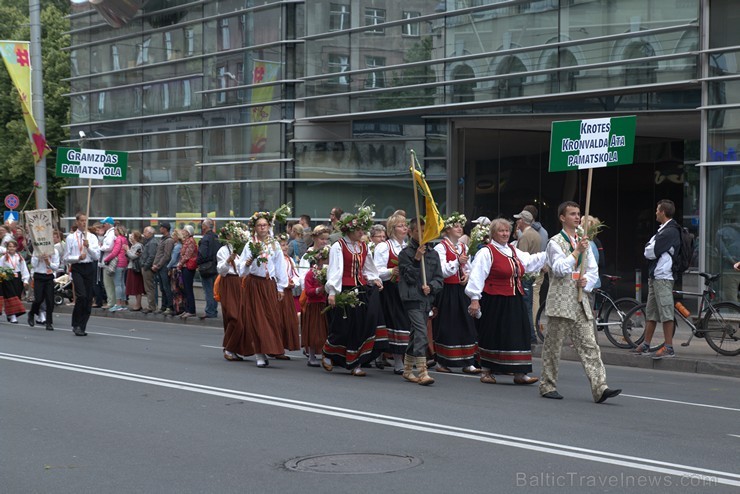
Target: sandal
[(471, 369), (358, 372), (487, 378), (443, 369), (526, 380), (326, 364), (232, 357)]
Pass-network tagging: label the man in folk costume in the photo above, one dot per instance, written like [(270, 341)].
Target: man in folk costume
[(356, 332), (568, 316), (82, 254), (417, 295), (455, 336)]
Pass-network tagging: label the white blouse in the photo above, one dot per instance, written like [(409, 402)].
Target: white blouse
[(17, 264), (382, 254), (274, 267), (450, 268), (482, 266), (222, 256), (74, 248), (41, 266), (336, 266)]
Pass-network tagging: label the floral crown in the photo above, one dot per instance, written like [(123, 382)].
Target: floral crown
[(235, 233), (314, 256), (282, 237), (455, 218), (362, 220), (252, 221)]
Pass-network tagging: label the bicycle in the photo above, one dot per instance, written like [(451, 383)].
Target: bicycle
[(609, 316), (718, 323)]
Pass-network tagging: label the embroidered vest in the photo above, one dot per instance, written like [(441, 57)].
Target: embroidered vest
[(562, 296), (352, 264), (452, 255), (505, 276)]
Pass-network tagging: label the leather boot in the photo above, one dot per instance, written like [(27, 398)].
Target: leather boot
[(424, 378), (408, 369)]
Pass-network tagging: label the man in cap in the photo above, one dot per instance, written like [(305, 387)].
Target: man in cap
[(528, 241), (161, 258), (109, 236)]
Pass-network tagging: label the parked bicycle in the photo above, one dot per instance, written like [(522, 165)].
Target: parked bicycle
[(610, 313), (718, 323)]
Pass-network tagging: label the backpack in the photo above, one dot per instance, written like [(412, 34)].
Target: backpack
[(682, 258)]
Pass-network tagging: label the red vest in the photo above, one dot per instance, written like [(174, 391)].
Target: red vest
[(505, 275), (352, 265), (451, 255)]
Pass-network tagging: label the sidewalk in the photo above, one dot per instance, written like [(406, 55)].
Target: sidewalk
[(697, 358)]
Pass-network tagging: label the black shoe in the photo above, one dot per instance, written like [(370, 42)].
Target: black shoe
[(553, 395), (398, 372), (79, 331), (49, 327), (608, 393), (31, 320)]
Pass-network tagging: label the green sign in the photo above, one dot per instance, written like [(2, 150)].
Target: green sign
[(593, 143), (91, 163)]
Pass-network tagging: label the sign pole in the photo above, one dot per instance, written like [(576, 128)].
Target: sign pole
[(418, 215), (87, 211), (585, 229)]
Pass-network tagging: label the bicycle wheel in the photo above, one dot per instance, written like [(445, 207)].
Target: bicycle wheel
[(541, 326), (633, 325), (722, 328), (614, 315)]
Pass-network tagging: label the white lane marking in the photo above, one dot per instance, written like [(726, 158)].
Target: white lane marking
[(734, 435), (292, 355), (681, 402), (109, 334), (719, 477)]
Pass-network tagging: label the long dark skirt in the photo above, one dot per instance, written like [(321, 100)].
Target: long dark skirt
[(313, 326), (356, 335), (12, 291), (455, 336), (289, 321), (396, 319), (261, 315), (236, 336), (503, 334), (177, 285)]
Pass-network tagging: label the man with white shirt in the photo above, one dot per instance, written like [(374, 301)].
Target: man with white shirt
[(109, 236), (659, 252), (82, 254), (44, 267)]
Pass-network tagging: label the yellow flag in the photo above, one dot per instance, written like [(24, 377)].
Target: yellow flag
[(18, 62), (264, 71), (434, 225)]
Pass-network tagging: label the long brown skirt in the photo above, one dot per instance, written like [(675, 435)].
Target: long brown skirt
[(260, 312), (313, 326), (236, 337), (289, 318)]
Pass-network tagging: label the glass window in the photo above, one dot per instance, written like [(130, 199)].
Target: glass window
[(375, 79), (224, 35), (412, 28), (142, 52), (723, 246), (339, 17), (189, 41), (373, 17), (338, 64)]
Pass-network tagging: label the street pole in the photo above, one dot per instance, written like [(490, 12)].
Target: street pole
[(37, 96)]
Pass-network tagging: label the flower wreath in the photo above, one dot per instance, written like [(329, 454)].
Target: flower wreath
[(454, 218), (362, 220), (252, 221), (282, 237)]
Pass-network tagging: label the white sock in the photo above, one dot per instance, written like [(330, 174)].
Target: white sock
[(398, 361), (311, 355)]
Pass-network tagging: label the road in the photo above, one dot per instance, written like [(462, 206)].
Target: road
[(142, 406)]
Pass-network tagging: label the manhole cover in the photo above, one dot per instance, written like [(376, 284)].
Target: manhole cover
[(352, 463)]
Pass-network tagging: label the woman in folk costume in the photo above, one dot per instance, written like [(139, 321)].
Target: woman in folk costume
[(237, 341), (263, 266), (17, 280), (394, 315), (313, 319), (287, 310), (455, 336), (495, 290), (320, 239), (356, 334)]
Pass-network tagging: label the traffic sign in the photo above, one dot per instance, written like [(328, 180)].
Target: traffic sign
[(10, 216), (12, 201)]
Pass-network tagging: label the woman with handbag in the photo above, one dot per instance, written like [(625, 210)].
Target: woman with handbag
[(187, 265), (134, 278), (116, 262)]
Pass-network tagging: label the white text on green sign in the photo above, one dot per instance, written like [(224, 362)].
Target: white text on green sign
[(91, 163), (593, 143)]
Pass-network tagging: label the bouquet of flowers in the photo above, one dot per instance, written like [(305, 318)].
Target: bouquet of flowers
[(281, 214), (594, 228), (346, 299), (6, 274), (258, 251), (478, 237), (394, 277), (319, 274), (234, 233)]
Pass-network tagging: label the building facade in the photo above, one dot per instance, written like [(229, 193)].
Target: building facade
[(231, 106)]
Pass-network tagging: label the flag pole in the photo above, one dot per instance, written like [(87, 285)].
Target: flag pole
[(585, 231), (418, 214)]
